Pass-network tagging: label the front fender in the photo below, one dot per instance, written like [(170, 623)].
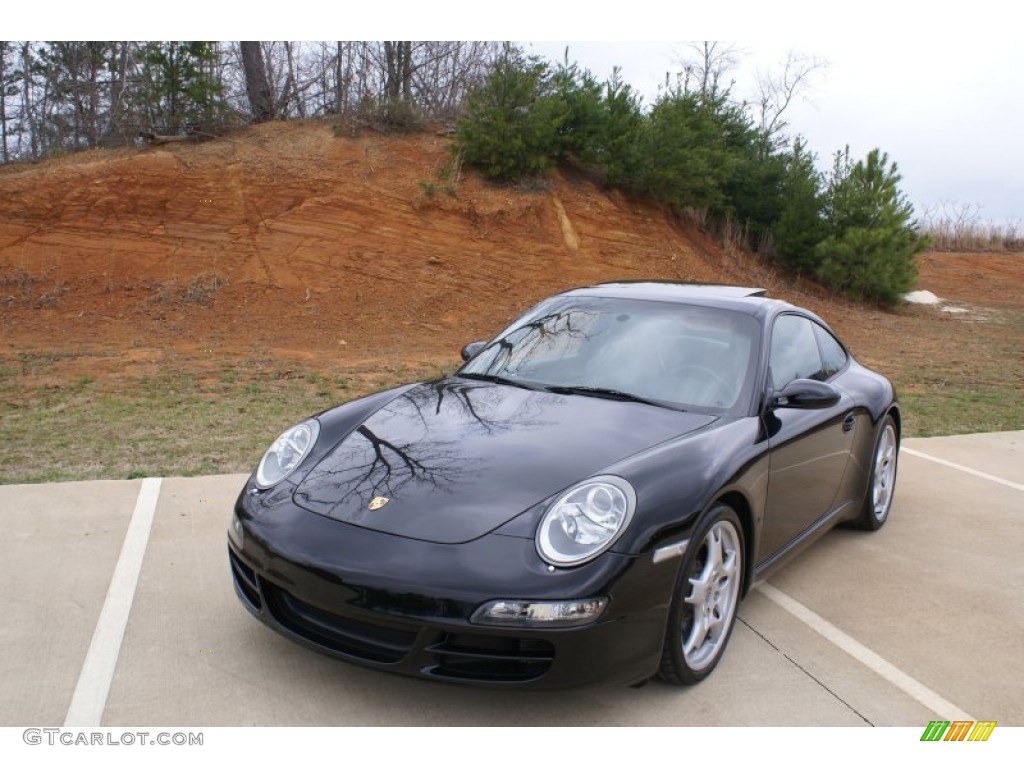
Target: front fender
[(680, 479)]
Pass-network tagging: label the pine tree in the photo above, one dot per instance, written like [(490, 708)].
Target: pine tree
[(618, 148), (871, 243), (754, 188), (801, 225), (509, 130), (575, 107), (178, 87), (687, 160)]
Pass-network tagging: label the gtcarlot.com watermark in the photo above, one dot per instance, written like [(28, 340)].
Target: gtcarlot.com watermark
[(79, 738)]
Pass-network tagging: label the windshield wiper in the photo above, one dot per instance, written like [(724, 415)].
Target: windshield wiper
[(611, 394), (501, 380)]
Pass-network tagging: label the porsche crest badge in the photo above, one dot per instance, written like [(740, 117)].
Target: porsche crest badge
[(378, 502)]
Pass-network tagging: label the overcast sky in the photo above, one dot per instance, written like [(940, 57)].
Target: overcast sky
[(937, 85)]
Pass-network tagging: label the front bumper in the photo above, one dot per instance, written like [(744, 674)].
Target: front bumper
[(403, 605)]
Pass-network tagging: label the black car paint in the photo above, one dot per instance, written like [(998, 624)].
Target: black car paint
[(452, 454), (339, 569), (397, 577)]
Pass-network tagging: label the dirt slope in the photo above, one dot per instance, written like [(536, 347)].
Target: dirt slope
[(290, 240), (313, 239)]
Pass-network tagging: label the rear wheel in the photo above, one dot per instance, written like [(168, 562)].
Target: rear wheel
[(705, 600), (882, 485)]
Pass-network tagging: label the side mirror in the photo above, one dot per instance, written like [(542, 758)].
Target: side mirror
[(807, 394), (471, 349)]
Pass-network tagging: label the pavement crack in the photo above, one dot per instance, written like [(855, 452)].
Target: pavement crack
[(797, 664)]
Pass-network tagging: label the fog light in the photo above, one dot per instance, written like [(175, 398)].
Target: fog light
[(523, 613)]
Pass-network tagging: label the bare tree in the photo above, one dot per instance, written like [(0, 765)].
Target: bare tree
[(449, 70), (707, 63), (776, 90), (26, 96), (257, 87), (952, 224), (4, 47), (398, 83), (429, 76), (293, 80), (432, 76), (118, 68), (63, 95)]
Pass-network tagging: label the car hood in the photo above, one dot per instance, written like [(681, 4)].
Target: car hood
[(457, 458)]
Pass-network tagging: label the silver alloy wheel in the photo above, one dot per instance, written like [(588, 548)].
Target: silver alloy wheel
[(884, 474), (714, 593)]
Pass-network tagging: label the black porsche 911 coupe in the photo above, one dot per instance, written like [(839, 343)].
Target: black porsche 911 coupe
[(584, 501)]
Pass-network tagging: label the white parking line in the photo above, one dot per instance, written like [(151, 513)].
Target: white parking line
[(962, 468), (90, 697), (910, 686)]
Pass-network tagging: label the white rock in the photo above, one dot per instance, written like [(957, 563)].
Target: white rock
[(921, 297)]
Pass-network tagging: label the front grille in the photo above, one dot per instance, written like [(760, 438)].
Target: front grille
[(409, 604), (371, 642), (488, 658), (245, 580)]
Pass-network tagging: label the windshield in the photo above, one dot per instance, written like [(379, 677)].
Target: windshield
[(681, 355)]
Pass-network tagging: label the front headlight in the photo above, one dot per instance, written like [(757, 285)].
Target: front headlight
[(585, 520), (286, 453)]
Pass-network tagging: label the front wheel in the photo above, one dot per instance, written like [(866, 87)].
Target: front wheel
[(882, 484), (706, 597)]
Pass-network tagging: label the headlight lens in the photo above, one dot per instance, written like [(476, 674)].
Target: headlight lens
[(585, 520), (286, 453)]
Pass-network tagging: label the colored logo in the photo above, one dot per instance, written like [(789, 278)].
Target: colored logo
[(958, 730)]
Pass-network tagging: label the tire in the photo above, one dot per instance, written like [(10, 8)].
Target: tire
[(882, 482), (705, 599)]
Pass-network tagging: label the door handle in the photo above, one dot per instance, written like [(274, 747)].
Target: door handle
[(849, 422)]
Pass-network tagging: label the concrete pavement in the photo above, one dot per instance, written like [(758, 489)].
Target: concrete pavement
[(935, 596)]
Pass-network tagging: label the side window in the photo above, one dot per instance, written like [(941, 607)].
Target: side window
[(794, 353), (832, 353)]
